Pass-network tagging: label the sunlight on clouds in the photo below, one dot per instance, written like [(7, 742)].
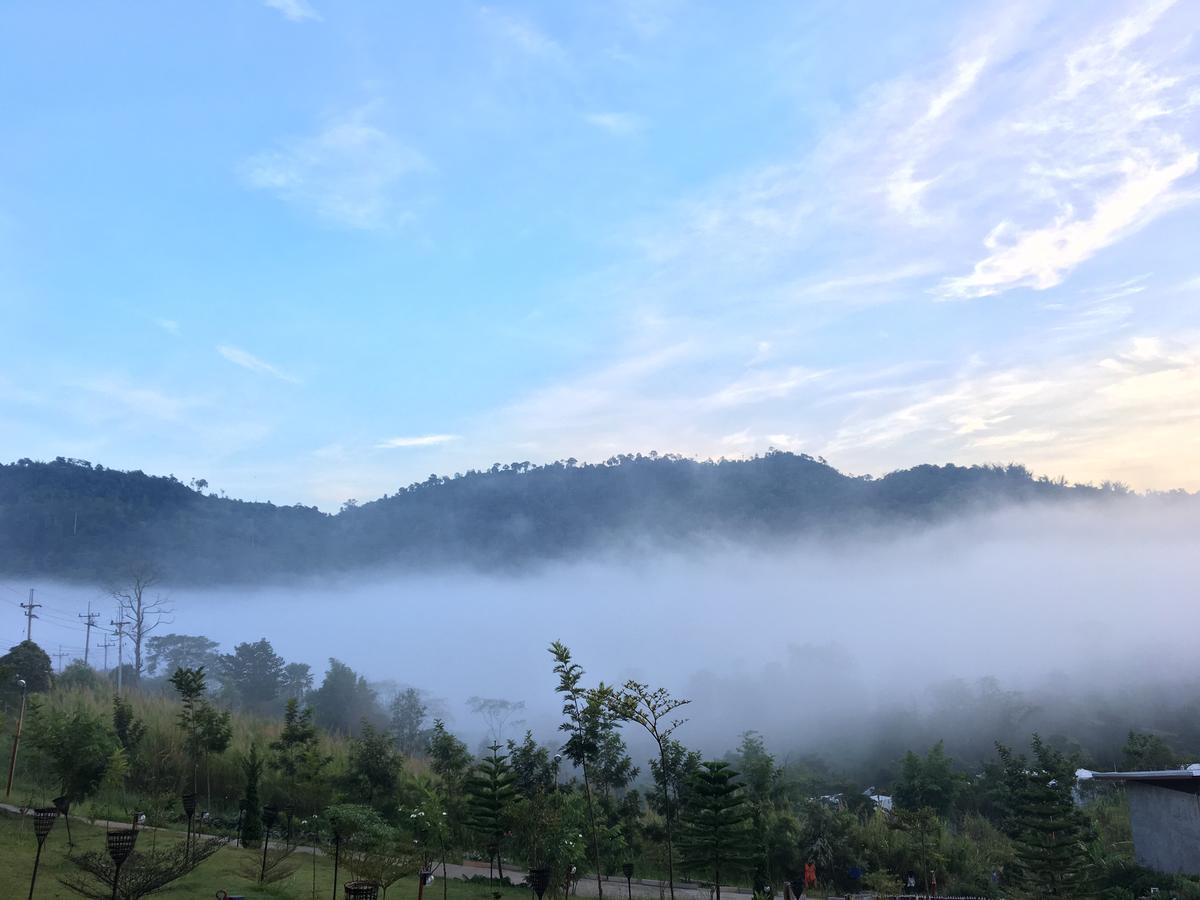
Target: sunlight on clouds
[(1131, 413), (1041, 259)]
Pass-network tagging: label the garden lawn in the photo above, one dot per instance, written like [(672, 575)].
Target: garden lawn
[(233, 870)]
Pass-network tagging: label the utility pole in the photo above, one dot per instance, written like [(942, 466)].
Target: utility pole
[(12, 760), (90, 621), (120, 626), (106, 644), (30, 615), (61, 654)]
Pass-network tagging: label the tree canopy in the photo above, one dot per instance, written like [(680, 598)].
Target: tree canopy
[(71, 519)]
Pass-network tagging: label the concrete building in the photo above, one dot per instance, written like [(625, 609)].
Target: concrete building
[(1164, 810)]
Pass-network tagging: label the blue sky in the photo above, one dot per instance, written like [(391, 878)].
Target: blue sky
[(313, 250)]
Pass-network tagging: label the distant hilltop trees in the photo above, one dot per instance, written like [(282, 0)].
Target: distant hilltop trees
[(75, 520)]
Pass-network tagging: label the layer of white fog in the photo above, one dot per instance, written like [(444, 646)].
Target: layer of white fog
[(802, 645)]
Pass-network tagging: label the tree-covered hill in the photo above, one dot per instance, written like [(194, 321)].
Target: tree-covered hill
[(75, 520)]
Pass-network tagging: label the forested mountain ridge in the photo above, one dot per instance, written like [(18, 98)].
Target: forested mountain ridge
[(74, 520)]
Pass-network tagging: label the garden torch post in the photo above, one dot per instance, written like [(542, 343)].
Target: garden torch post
[(189, 810), (12, 761), (120, 845), (337, 850), (269, 816), (43, 821)]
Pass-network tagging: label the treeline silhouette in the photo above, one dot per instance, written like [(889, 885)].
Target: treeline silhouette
[(74, 520)]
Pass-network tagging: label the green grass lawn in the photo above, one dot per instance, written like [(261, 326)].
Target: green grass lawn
[(232, 870)]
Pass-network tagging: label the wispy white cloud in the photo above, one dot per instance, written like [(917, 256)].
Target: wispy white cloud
[(170, 326), (352, 172), (139, 400), (1106, 152), (247, 360), (522, 34), (758, 386), (1041, 258), (618, 123), (420, 440), (294, 10)]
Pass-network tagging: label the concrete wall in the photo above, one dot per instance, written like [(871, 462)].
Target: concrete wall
[(1166, 828)]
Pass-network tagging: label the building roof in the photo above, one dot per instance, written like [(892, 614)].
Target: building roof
[(1192, 771), (1179, 779)]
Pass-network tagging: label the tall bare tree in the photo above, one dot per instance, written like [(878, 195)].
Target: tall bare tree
[(143, 611)]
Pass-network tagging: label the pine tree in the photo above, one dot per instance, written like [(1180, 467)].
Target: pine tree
[(1049, 833), (489, 794), (296, 755), (716, 836), (252, 823)]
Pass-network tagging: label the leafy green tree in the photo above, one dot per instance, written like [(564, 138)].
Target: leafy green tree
[(407, 721), (79, 676), (587, 716), (924, 828), (214, 732), (180, 651), (547, 830), (826, 838), (296, 755), (715, 836), (297, 680), (533, 768), (128, 728), (448, 756), (255, 672), (654, 710), (1147, 752), (344, 700), (612, 767), (191, 686), (759, 777), (674, 774), (930, 782), (371, 849), (489, 795), (1050, 833), (373, 770), (76, 747), (451, 763), (28, 661), (252, 823)]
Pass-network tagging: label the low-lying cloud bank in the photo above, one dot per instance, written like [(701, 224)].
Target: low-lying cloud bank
[(848, 646)]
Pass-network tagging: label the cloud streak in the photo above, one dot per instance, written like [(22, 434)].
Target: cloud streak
[(249, 361), (420, 440)]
